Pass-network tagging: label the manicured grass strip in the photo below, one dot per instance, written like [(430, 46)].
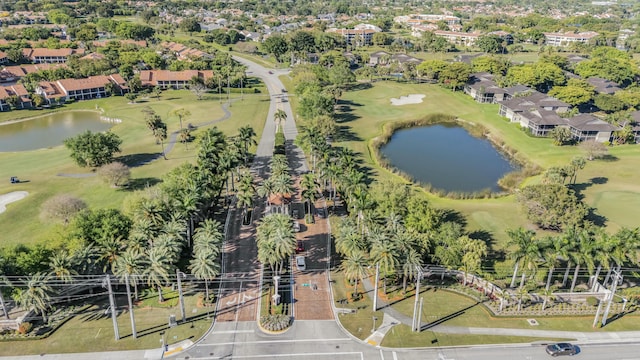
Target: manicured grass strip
[(401, 336), (93, 330)]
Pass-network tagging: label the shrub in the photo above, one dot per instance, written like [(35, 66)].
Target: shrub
[(61, 208), (277, 322), (592, 301), (24, 328), (115, 174)]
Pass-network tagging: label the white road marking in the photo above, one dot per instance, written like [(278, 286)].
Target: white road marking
[(282, 341), (381, 355), (229, 303), (233, 332), (395, 356), (357, 355)]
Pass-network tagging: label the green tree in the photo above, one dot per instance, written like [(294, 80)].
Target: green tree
[(130, 263), (575, 93), (204, 267), (491, 44), (35, 295), (561, 135), (93, 149), (280, 116), (61, 265), (552, 206), (157, 266), (355, 268), (609, 103), (190, 25), (276, 45)]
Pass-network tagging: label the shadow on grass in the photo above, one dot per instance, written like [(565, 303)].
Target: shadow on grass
[(141, 183), (135, 160), (448, 317)]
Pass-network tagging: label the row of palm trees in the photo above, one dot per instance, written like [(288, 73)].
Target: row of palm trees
[(577, 249), (158, 229)]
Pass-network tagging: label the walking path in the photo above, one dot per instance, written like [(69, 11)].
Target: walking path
[(170, 144), (396, 317)]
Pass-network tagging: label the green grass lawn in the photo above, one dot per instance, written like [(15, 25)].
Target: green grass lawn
[(21, 223), (364, 112), (92, 330)]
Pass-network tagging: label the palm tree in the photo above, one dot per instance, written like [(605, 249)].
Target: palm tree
[(279, 117), (184, 136), (36, 294), (266, 190), (110, 249), (527, 251), (161, 135), (247, 138), (181, 113), (61, 266), (384, 253), (583, 254), (204, 267), (521, 293), (208, 237), (411, 262), (157, 266), (547, 295), (348, 238), (130, 263), (276, 240), (309, 193), (473, 252), (355, 268)]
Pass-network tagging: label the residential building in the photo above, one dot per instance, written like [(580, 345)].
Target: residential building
[(14, 73), (540, 122), (18, 90), (172, 79), (459, 38), (80, 89), (564, 39), (52, 56), (588, 127), (604, 86), (355, 37), (417, 19)]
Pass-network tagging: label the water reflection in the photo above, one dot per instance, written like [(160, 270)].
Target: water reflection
[(448, 158), (50, 130)]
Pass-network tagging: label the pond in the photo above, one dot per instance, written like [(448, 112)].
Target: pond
[(50, 130), (447, 157)]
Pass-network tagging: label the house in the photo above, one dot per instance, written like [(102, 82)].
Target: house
[(80, 89), (379, 58), (405, 59), (459, 38), (483, 89), (635, 126), (182, 52), (540, 121), (564, 39), (172, 79), (44, 55), (14, 73), (355, 37), (516, 105), (18, 90), (604, 86), (588, 127)]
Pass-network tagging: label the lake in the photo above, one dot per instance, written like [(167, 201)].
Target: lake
[(447, 157), (50, 130)]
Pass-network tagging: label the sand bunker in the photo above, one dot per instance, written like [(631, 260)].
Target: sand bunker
[(409, 99), (11, 197)]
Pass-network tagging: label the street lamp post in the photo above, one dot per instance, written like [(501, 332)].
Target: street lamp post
[(374, 324), (375, 289), (180, 274)]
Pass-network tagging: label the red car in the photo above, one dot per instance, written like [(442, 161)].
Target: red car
[(299, 247)]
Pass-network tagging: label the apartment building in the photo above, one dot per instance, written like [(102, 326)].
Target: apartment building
[(564, 39)]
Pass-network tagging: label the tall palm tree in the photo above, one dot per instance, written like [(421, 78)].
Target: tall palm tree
[(276, 240), (384, 252), (130, 263), (526, 253), (35, 295), (157, 266), (583, 254), (181, 113), (204, 267), (348, 238), (473, 251), (411, 262), (309, 194), (266, 189), (161, 135), (61, 265), (208, 237), (355, 268), (110, 249), (247, 138), (279, 117)]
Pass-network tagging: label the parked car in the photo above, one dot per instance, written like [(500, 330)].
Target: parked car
[(561, 349), (270, 72), (294, 213), (299, 246), (300, 263), (296, 226)]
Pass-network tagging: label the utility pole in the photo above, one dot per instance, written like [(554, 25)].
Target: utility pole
[(375, 288), (133, 320), (415, 304), (616, 277), (182, 312), (419, 319), (112, 304)]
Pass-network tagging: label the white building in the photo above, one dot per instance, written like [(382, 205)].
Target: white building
[(564, 39)]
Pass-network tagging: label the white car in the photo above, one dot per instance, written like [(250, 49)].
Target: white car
[(300, 263), (296, 226)]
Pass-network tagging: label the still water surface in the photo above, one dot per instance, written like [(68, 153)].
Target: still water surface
[(50, 130), (448, 158)]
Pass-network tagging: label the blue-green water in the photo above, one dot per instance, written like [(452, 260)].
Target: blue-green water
[(448, 158), (49, 131)]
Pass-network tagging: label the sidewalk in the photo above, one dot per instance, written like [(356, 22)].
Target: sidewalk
[(591, 337)]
